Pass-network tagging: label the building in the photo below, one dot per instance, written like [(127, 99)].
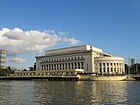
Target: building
[(3, 58), (85, 58), (132, 61)]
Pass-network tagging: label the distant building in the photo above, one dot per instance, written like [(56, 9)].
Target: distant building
[(87, 58), (3, 60), (132, 61)]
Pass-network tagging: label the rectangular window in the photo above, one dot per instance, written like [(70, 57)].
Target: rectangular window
[(57, 66), (42, 67), (104, 69), (66, 65), (111, 69), (69, 65), (72, 65), (78, 65), (108, 70), (82, 65), (75, 65), (100, 70), (60, 66), (54, 66), (63, 66)]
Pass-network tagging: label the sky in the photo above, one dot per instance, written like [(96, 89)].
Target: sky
[(30, 27)]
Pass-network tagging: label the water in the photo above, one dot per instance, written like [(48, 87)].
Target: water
[(41, 92)]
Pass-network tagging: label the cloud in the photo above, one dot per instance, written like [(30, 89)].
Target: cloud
[(71, 41), (17, 60), (62, 33), (16, 41)]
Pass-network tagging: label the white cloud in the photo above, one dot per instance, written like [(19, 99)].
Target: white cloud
[(71, 41), (62, 33), (17, 60), (16, 41)]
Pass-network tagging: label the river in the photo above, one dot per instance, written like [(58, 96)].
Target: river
[(41, 92)]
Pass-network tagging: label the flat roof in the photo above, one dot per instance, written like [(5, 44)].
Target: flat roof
[(67, 47), (72, 49)]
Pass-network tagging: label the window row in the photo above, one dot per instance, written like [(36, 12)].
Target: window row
[(63, 66), (111, 70), (1, 61), (63, 59), (111, 64), (2, 57)]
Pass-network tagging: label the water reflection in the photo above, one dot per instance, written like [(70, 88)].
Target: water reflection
[(110, 92), (82, 93), (15, 93), (69, 93)]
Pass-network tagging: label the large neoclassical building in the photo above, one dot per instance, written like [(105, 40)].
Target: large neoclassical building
[(85, 58)]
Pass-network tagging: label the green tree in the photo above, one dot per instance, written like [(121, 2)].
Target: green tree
[(6, 71)]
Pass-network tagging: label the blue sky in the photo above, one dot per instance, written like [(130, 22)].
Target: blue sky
[(112, 25)]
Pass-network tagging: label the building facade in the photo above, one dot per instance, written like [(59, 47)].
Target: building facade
[(132, 60), (3, 54), (109, 65), (84, 58)]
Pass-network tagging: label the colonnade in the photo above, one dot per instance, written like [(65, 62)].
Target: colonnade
[(62, 66), (110, 68)]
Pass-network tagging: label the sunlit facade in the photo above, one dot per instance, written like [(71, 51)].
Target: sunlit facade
[(84, 58), (3, 59), (109, 65)]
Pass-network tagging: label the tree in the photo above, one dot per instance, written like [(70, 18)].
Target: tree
[(31, 69), (6, 71), (133, 69), (127, 69), (24, 70)]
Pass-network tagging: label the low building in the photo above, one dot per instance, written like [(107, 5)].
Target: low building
[(3, 60), (85, 59)]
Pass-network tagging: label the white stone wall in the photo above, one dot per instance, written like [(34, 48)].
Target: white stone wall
[(88, 63), (61, 62)]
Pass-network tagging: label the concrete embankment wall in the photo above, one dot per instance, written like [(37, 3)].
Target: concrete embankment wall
[(36, 78), (108, 78)]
